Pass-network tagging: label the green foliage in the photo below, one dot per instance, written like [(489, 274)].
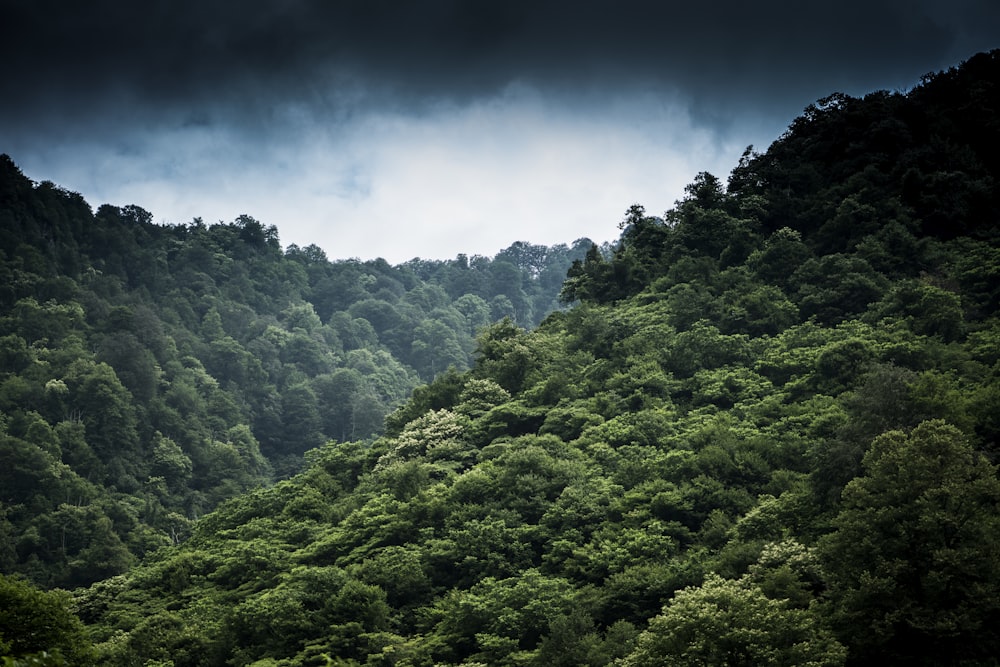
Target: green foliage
[(760, 435), (913, 560), (38, 628), (150, 372), (725, 622)]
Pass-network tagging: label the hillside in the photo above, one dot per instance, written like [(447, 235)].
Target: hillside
[(148, 372), (764, 434)]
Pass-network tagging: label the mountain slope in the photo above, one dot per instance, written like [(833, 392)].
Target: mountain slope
[(148, 372), (762, 436)]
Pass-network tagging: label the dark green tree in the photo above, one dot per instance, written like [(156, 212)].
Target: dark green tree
[(34, 621), (914, 561)]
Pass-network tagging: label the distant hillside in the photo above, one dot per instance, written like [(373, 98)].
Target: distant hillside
[(763, 434), (148, 372)]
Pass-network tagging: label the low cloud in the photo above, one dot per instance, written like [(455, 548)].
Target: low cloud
[(402, 129), (468, 177)]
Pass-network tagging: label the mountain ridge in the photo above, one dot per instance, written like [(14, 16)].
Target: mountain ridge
[(764, 433)]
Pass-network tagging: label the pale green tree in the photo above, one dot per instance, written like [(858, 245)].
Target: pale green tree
[(733, 623)]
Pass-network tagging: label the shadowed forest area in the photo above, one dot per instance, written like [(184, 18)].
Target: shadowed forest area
[(760, 429)]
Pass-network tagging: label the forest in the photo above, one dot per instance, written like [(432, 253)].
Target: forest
[(759, 429)]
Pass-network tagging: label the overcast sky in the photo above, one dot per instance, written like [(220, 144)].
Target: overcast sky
[(382, 128)]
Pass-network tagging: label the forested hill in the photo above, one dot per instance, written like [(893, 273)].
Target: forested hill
[(148, 372), (765, 434)]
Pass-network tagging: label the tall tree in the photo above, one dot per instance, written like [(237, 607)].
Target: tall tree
[(914, 561)]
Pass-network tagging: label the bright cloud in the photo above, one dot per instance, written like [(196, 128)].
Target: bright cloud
[(471, 177)]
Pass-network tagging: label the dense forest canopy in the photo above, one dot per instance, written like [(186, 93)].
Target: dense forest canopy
[(764, 433), (148, 372)]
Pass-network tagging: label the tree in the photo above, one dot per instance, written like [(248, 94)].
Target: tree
[(435, 347), (107, 411), (726, 622), (475, 311), (914, 562), (782, 253), (503, 354), (589, 279), (301, 419), (170, 461), (33, 621), (836, 287), (496, 619), (104, 556)]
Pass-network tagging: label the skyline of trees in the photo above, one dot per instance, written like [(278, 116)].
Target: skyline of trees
[(762, 430)]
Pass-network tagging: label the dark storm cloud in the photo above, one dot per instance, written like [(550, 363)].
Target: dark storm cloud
[(163, 53), (433, 127)]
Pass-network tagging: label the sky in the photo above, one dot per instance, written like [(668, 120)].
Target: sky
[(429, 128)]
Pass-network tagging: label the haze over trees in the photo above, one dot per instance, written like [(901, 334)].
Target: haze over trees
[(148, 372), (764, 432)]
